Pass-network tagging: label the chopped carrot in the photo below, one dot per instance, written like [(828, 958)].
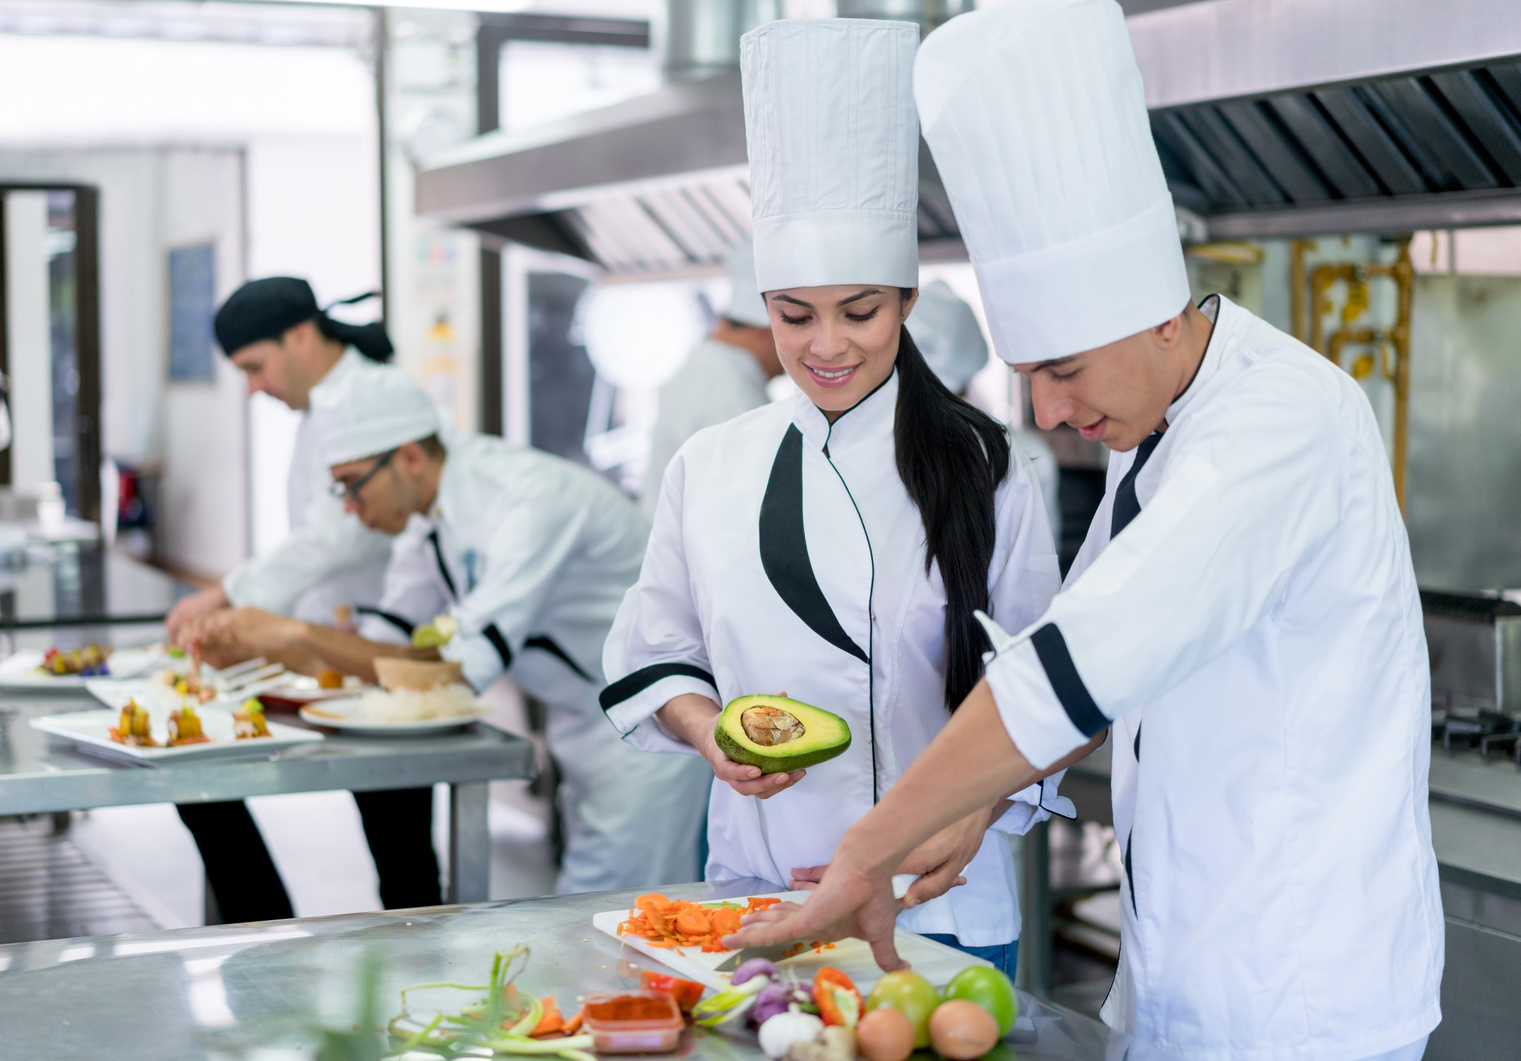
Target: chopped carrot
[(551, 1021), (664, 922), (574, 1024)]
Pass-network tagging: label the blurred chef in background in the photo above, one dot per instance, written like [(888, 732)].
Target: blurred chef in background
[(530, 554), (948, 334), (289, 348), (725, 375)]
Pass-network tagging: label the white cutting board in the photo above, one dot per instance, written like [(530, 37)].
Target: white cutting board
[(936, 962)]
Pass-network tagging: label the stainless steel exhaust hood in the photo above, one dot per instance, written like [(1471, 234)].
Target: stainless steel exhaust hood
[(1273, 118)]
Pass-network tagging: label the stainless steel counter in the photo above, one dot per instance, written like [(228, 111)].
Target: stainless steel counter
[(41, 774), (84, 584), (262, 991)]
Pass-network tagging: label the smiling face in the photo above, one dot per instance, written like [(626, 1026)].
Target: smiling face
[(1119, 393), (838, 343)]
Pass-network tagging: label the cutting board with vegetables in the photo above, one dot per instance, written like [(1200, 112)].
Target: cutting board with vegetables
[(936, 962)]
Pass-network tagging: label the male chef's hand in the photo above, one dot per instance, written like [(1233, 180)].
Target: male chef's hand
[(236, 634), (184, 615), (847, 902), (937, 863)]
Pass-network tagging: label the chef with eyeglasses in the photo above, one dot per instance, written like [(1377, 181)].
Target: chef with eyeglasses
[(288, 347), (1243, 616), (530, 555)]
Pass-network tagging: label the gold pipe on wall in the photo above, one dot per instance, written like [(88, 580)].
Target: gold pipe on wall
[(1391, 345)]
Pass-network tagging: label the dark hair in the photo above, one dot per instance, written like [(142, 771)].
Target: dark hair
[(951, 457), (370, 339), (432, 448), (268, 308)]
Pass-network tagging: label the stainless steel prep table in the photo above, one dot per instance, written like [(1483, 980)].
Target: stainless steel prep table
[(261, 990), (40, 774)]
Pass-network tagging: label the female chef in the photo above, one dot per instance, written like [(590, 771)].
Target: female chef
[(836, 545), (1244, 613)]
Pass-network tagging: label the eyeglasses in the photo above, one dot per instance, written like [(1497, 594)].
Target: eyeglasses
[(350, 491)]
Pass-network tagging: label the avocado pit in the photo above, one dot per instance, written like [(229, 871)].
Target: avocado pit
[(770, 726)]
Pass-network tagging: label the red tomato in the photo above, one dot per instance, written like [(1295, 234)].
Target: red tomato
[(837, 998)]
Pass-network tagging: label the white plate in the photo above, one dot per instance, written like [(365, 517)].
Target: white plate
[(22, 671), (343, 714), (304, 690), (90, 730), (934, 961)]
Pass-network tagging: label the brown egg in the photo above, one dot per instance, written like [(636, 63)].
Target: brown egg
[(961, 1030), (885, 1035)]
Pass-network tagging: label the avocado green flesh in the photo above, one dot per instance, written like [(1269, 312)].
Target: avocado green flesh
[(824, 735)]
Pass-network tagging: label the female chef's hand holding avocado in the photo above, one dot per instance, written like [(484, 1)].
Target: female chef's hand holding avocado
[(758, 745)]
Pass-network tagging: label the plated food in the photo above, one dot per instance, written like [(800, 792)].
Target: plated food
[(135, 728), (400, 711), (91, 661)]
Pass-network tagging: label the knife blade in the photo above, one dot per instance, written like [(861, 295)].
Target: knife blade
[(775, 953)]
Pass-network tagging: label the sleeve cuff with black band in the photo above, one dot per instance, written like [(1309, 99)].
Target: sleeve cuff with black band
[(1041, 698)]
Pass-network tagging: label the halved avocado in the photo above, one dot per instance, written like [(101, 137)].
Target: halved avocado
[(777, 734)]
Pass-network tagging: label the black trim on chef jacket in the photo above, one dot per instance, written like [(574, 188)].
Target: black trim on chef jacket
[(391, 617), (547, 644), (631, 685), (1061, 672), (784, 557), (784, 547), (498, 642), (443, 568)]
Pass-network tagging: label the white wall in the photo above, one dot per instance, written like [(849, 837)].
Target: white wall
[(151, 200), (294, 128), (29, 342)]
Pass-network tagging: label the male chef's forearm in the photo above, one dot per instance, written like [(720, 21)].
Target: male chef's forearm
[(970, 766), (353, 654)]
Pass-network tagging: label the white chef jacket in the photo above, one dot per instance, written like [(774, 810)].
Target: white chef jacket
[(1261, 613), (532, 554), (716, 383), (776, 564), (330, 557)]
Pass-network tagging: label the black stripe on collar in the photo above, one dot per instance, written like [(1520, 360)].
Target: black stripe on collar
[(1061, 672), (631, 685), (784, 547)]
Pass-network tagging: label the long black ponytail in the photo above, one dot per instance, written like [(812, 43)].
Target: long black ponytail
[(951, 456)]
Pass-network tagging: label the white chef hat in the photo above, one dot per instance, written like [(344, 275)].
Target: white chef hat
[(1037, 120), (946, 331), (745, 303), (834, 151), (371, 410)]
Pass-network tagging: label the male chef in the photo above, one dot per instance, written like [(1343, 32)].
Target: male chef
[(1243, 614), (724, 376), (531, 555), (289, 348)]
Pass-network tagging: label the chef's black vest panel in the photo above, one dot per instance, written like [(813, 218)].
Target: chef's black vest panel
[(784, 548), (1048, 641)]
